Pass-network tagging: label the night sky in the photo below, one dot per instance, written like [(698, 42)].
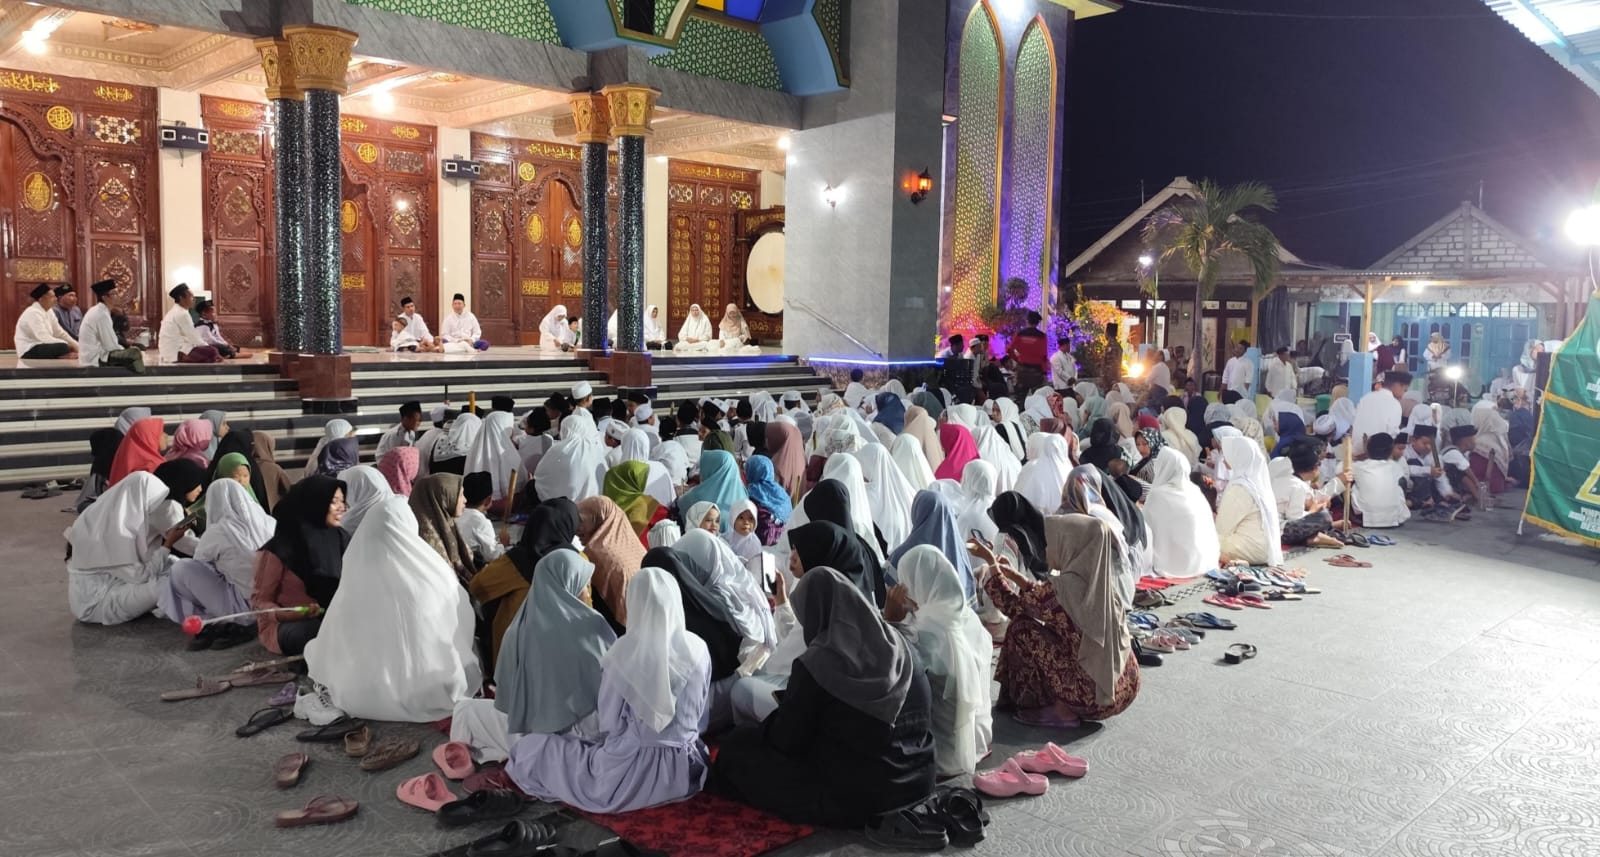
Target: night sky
[(1369, 130)]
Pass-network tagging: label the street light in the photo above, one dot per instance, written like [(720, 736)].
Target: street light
[(1146, 261), (1583, 226)]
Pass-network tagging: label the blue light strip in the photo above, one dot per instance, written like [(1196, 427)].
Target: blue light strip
[(856, 361)]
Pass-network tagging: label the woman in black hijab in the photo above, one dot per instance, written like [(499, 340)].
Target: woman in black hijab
[(1018, 518), (851, 740), (1104, 453), (826, 544), (301, 564), (830, 501), (721, 638), (1196, 421)]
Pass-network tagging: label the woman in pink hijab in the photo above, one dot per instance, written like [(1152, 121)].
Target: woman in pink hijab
[(191, 441), (959, 448), (399, 468)]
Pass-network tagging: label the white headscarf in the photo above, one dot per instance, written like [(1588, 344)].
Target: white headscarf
[(364, 489), (746, 546), (1183, 534), (120, 530), (458, 440), (978, 490), (652, 326), (730, 584), (236, 527), (1247, 468), (572, 468), (889, 495), (845, 468), (951, 643), (665, 533), (1045, 474), (396, 643), (553, 327), (695, 327), (494, 453), (1175, 431), (1006, 410), (653, 663), (671, 454), (995, 451), (913, 463), (333, 430)]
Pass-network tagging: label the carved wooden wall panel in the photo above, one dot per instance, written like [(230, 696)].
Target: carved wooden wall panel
[(527, 236), (78, 199), (701, 202), (241, 261), (398, 253)]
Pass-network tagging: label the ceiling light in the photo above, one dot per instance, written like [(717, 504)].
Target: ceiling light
[(661, 159), (832, 195), (35, 42), (783, 143), (382, 101)]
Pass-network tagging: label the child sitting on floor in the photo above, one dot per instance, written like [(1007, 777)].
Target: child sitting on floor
[(477, 490), (401, 339)]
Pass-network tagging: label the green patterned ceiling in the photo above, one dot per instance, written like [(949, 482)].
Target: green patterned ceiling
[(523, 19)]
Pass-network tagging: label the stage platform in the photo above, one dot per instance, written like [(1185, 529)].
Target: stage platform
[(48, 408)]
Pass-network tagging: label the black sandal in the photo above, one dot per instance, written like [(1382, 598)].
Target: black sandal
[(517, 839), (490, 805), (962, 813), (1245, 652), (912, 829), (263, 720)]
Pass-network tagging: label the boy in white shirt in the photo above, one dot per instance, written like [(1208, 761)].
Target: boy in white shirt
[(1378, 494), (473, 525), (400, 338), (211, 334)]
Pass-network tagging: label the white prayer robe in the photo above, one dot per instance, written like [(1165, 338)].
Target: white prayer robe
[(479, 535), (39, 326), (1236, 376), (1377, 493), (459, 330), (99, 336), (119, 563), (418, 329), (1378, 412), (178, 335)]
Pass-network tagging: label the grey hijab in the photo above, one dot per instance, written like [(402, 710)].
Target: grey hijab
[(928, 402), (217, 419), (548, 675), (129, 417), (851, 652)]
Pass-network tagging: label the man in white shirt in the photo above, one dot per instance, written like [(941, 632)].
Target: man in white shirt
[(460, 331), (477, 489), (1282, 373), (1063, 369), (99, 345), (404, 432), (1377, 493), (1238, 374), (39, 335), (417, 327), (211, 333), (179, 341), (957, 348), (1379, 411)]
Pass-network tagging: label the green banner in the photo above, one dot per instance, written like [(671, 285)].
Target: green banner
[(1564, 496)]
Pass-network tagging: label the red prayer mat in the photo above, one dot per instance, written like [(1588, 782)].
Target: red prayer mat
[(703, 826)]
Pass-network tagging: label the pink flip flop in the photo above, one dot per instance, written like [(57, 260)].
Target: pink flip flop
[(428, 792), (455, 759), (1051, 759), (1010, 780)]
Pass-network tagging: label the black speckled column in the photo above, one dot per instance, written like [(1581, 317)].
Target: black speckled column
[(630, 107), (324, 186), (630, 244), (595, 311), (288, 190)]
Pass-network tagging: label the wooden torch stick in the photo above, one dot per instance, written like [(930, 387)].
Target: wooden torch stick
[(1349, 513)]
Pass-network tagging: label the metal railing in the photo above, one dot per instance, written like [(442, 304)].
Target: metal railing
[(831, 325)]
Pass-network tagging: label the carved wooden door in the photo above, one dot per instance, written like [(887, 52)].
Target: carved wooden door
[(405, 207), (494, 292), (241, 273), (359, 267), (566, 250), (36, 227)]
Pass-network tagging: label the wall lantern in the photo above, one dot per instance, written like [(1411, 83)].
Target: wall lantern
[(922, 185)]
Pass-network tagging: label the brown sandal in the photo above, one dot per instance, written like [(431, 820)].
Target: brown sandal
[(388, 753), (356, 743), (322, 809), (286, 771), (202, 687), (256, 676)]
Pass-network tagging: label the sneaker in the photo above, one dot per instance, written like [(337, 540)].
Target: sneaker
[(316, 707)]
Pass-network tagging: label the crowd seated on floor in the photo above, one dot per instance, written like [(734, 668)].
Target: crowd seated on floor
[(591, 590)]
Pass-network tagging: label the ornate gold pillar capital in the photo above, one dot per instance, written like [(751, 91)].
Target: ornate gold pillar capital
[(631, 105), (278, 66), (591, 116), (320, 55)]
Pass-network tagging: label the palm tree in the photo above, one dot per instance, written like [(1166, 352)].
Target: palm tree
[(1204, 230)]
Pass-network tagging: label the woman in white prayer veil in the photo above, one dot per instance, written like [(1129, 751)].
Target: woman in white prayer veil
[(1045, 474), (553, 330), (978, 490), (654, 335), (1283, 402), (1005, 415), (995, 451), (845, 468), (696, 330), (1184, 536), (1175, 430), (912, 462), (332, 431), (573, 467), (671, 455), (889, 495), (457, 440), (396, 642), (955, 650), (493, 452), (364, 489)]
